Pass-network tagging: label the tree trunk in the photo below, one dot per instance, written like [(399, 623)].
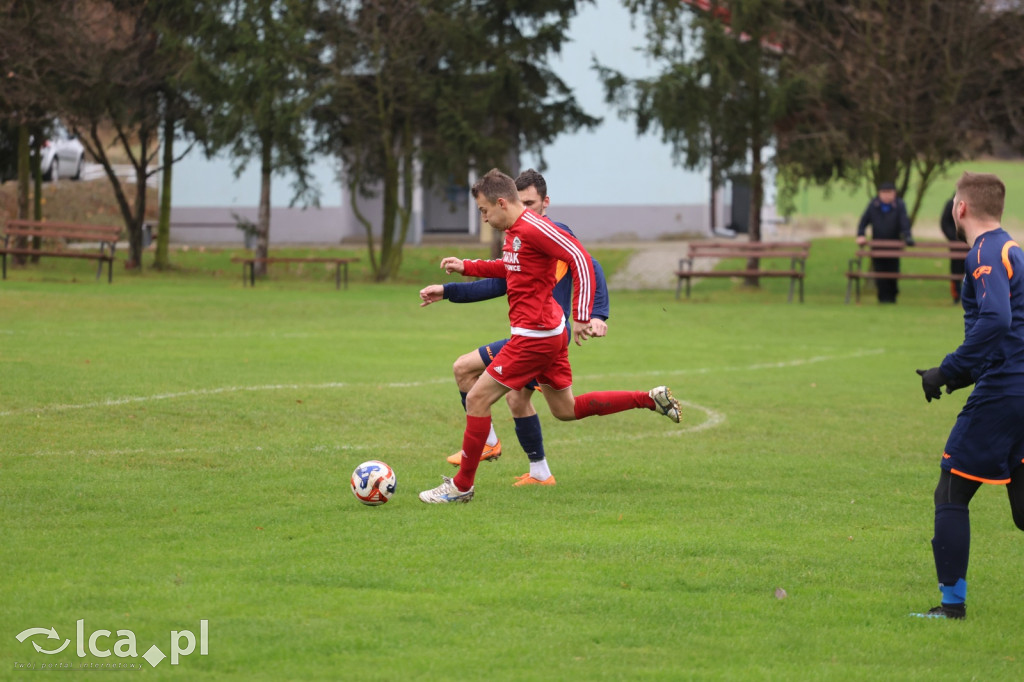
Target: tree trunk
[(263, 222), (756, 189), (23, 182), (713, 202), (163, 229), (387, 228), (35, 169), (498, 238), (133, 213)]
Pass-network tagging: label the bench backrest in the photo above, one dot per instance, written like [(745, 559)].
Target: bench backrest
[(749, 249), (919, 244), (743, 243), (61, 230)]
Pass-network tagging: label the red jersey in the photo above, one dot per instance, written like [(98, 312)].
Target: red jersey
[(530, 255)]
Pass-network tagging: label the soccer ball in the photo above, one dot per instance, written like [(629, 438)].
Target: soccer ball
[(373, 482)]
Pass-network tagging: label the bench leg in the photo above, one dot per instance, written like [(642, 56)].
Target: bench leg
[(792, 285), (3, 256), (110, 271), (337, 277)]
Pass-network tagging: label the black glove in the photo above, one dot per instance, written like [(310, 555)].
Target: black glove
[(932, 381), (909, 241), (957, 383)]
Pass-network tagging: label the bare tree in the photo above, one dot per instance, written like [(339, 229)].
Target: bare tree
[(901, 89)]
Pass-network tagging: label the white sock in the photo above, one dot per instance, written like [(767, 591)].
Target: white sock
[(539, 470), (492, 437)]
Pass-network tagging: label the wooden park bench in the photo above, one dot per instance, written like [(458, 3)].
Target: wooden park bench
[(52, 239), (795, 252), (249, 266), (895, 248)]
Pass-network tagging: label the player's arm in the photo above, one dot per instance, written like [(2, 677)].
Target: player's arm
[(464, 292), (991, 323), (599, 317), (904, 222), (862, 226), (472, 292), (481, 268), (564, 247)]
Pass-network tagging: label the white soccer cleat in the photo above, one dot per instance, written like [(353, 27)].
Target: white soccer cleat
[(446, 492), (665, 403)]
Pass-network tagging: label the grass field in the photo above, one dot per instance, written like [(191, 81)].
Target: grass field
[(176, 448)]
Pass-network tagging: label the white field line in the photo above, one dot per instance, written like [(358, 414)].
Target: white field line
[(713, 419), (200, 392)]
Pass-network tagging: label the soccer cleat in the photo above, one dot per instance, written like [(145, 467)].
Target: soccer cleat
[(446, 492), (665, 403), (948, 611), (527, 479), (491, 454)]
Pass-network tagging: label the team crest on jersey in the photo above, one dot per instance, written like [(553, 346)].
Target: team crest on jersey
[(517, 244)]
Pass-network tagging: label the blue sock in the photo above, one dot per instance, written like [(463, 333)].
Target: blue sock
[(530, 437), (463, 394), (954, 594)]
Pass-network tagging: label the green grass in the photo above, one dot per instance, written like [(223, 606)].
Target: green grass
[(209, 265), (175, 448)]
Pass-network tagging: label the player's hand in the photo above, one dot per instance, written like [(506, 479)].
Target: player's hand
[(452, 264), (600, 327), (581, 331), (956, 384), (932, 381), (431, 294), (861, 240)]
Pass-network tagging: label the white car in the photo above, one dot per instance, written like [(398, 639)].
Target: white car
[(62, 155)]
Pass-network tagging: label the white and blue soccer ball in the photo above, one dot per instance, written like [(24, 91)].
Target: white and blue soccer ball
[(373, 482)]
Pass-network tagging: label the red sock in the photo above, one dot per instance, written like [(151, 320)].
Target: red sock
[(473, 439), (610, 402)]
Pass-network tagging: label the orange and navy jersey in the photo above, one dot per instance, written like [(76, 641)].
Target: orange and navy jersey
[(992, 352), (530, 254)]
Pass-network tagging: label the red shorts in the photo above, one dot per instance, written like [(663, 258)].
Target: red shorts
[(524, 358)]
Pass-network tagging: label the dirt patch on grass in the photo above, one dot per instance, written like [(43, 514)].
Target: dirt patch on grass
[(91, 202)]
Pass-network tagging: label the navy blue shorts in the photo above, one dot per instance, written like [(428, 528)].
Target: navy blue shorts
[(488, 352), (987, 441)]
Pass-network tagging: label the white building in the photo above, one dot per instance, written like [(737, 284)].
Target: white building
[(607, 184)]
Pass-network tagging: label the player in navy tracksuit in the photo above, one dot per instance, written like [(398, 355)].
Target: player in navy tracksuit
[(986, 445), (533, 192)]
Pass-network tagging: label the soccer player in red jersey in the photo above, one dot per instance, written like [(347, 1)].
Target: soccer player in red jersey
[(538, 347), (533, 192)]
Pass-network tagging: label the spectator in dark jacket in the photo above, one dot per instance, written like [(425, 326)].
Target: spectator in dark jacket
[(956, 266), (887, 216)]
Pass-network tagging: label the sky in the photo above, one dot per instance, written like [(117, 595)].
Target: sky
[(609, 165)]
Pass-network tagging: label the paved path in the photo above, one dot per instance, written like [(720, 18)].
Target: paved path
[(650, 267), (654, 262)]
